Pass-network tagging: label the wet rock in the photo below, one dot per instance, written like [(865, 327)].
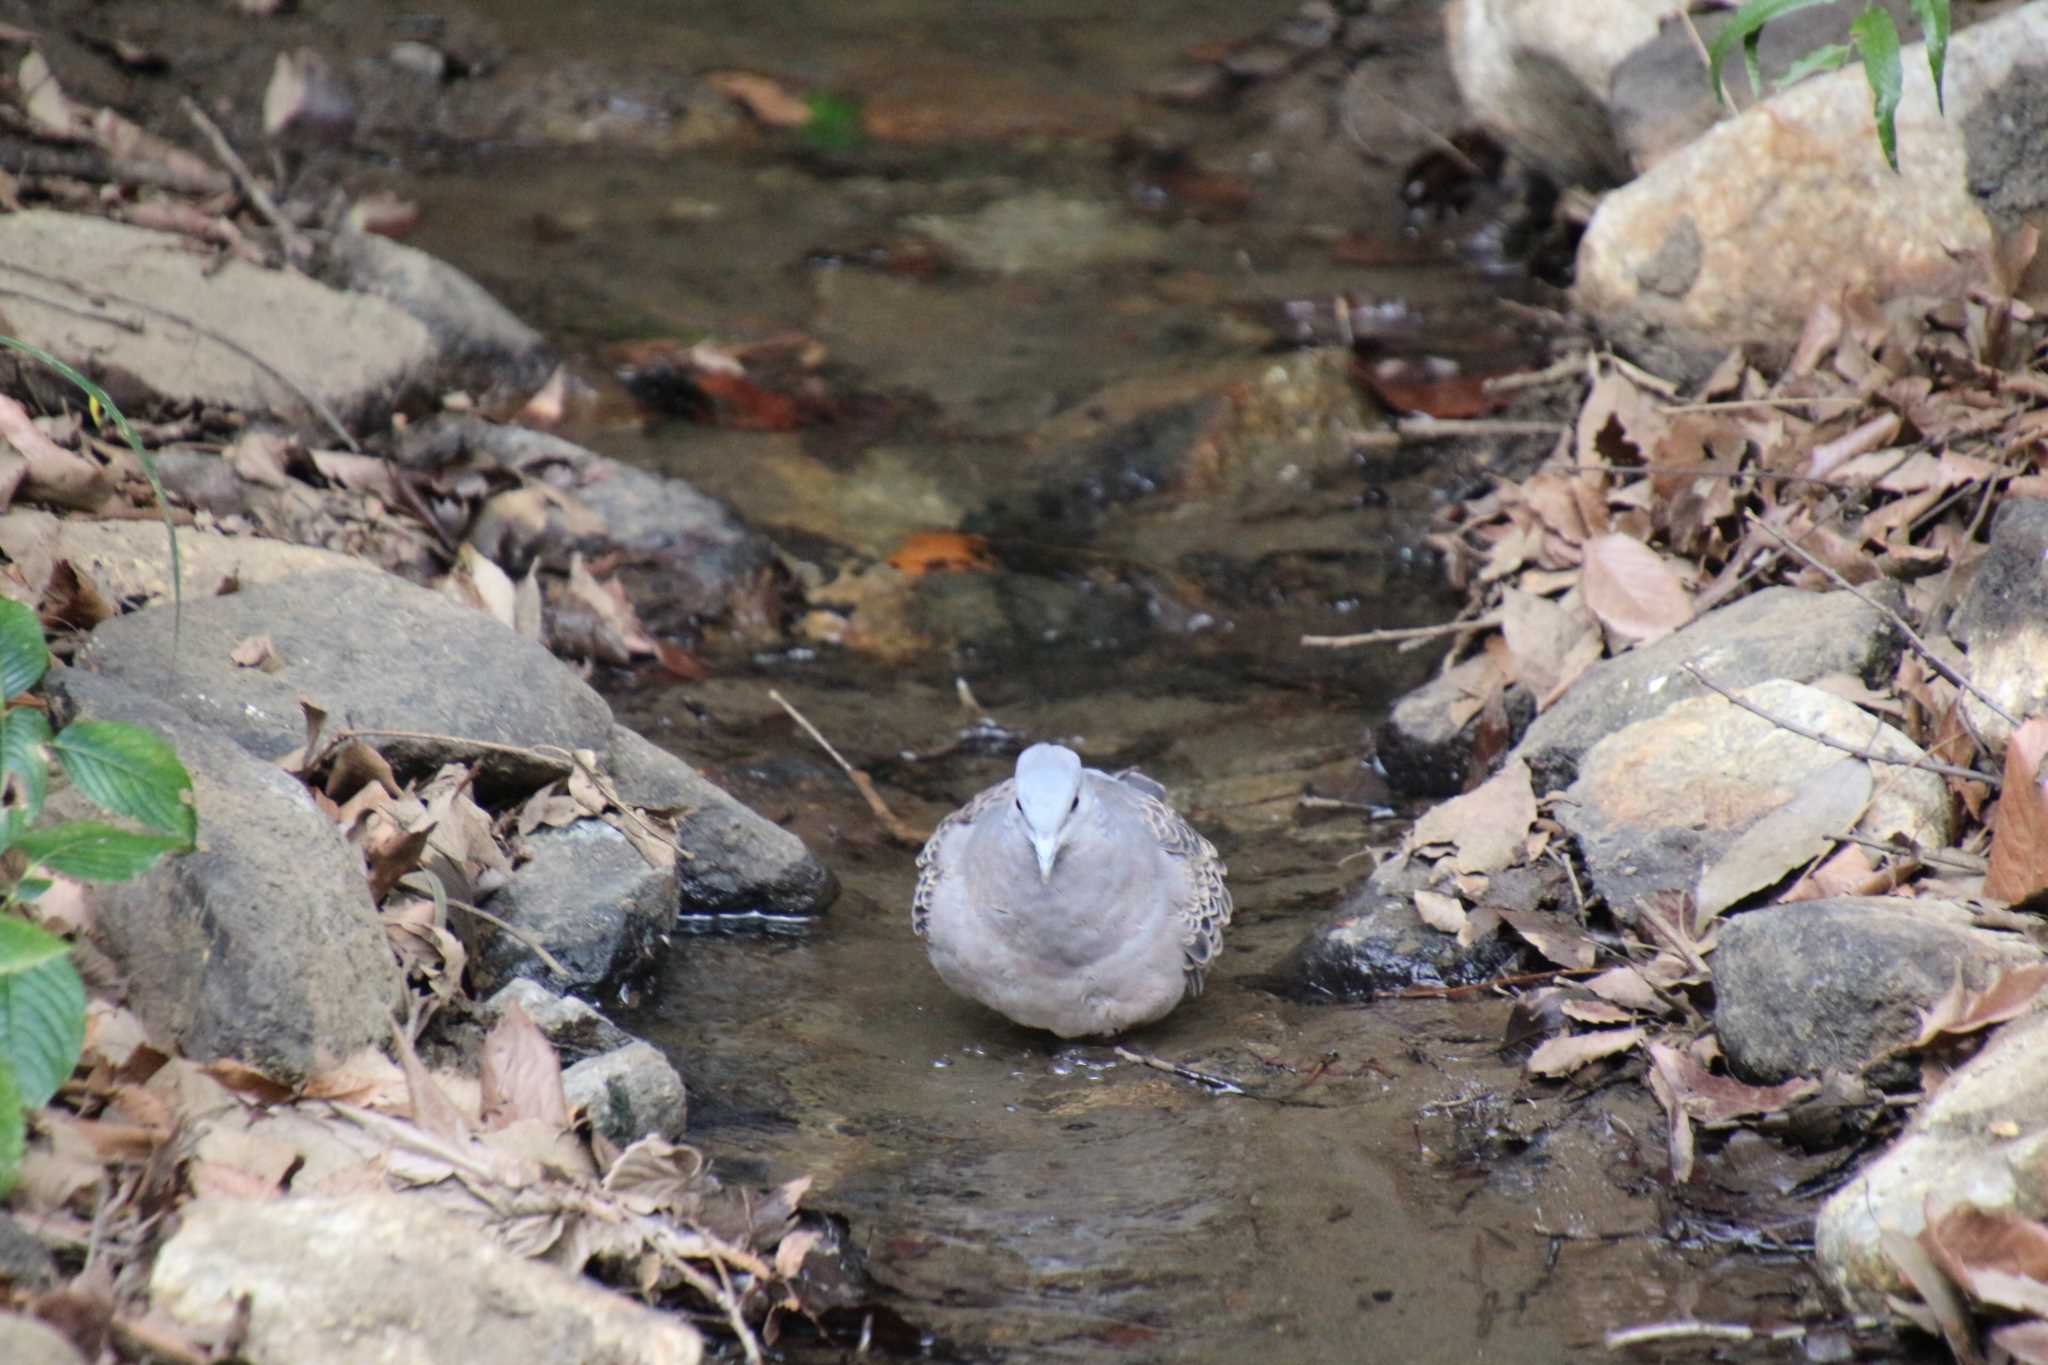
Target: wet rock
[(1832, 984), (1776, 633), (331, 1280), (25, 1341), (262, 945), (733, 860), (358, 355), (704, 557), (25, 1263), (1043, 231), (375, 653), (572, 1025), (1980, 1140), (1733, 240), (481, 346), (1425, 744), (130, 560), (1376, 942), (588, 897), (2003, 622), (629, 1094), (1657, 803), (1536, 74)]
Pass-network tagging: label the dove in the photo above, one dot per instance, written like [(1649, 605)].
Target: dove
[(1071, 900)]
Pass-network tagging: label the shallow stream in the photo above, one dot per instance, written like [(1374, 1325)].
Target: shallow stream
[(1390, 1188)]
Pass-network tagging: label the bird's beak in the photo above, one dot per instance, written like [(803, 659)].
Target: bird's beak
[(1048, 849)]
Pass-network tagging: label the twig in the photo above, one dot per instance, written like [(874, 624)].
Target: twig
[(862, 783), (23, 158), (1651, 471), (1655, 383), (1690, 1330), (1473, 988), (1923, 762), (1736, 404), (1434, 428), (125, 324), (1209, 1080), (1941, 665), (296, 248), (1966, 863), (533, 944), (1399, 633)]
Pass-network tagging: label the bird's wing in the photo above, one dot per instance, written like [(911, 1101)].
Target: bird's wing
[(1206, 912), (929, 871)]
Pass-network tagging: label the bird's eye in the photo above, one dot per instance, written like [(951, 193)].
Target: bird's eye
[(1076, 804)]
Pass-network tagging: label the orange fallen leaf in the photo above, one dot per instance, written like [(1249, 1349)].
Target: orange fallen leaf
[(924, 552), (2019, 848)]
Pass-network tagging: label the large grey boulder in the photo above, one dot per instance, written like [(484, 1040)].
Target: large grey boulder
[(373, 651), (1831, 984), (154, 319), (733, 860), (2003, 621), (588, 897), (1980, 1140), (1733, 240), (263, 944), (1775, 633), (368, 1279), (1659, 802)]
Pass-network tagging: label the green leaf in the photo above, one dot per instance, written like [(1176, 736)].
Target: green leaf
[(1934, 29), (131, 772), (93, 852), (42, 1027), (13, 1130), (23, 946), (1746, 28), (24, 658), (1877, 39), (834, 125), (30, 888), (23, 733), (1820, 59)]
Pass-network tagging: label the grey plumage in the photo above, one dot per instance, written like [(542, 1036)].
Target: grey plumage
[(1071, 900)]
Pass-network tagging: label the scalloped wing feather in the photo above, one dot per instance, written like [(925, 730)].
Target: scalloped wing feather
[(1207, 912), (929, 873)]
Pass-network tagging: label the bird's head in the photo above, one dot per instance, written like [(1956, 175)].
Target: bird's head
[(1049, 795)]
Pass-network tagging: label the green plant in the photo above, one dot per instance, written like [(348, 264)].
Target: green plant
[(124, 770), (1872, 35)]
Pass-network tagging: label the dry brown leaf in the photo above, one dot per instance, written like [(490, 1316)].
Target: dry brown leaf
[(53, 474), (1861, 439), (1564, 1055), (262, 457), (1546, 640), (1446, 914), (1997, 1258), (767, 99), (1597, 1012), (2019, 848), (1631, 590), (1486, 827), (1554, 936), (477, 582), (522, 1075), (1797, 832), (257, 652), (1627, 987), (1960, 1010)]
